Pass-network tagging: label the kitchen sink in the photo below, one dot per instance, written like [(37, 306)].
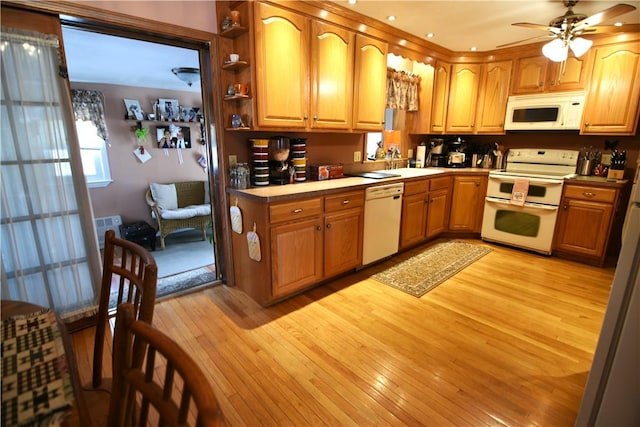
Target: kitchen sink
[(374, 175)]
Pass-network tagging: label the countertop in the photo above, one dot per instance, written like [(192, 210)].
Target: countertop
[(272, 193), (599, 180)]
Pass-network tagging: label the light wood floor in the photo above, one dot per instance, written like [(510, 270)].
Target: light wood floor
[(507, 341)]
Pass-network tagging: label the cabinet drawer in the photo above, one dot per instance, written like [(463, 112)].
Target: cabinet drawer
[(344, 201), (416, 187), (295, 210), (595, 194), (440, 183)]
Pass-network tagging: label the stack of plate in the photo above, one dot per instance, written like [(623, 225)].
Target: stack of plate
[(260, 161), (299, 158)]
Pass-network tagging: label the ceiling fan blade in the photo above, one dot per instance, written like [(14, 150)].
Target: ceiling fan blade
[(525, 40), (554, 30), (602, 29), (534, 26), (612, 12)]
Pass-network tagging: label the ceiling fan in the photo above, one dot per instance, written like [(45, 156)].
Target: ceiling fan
[(566, 30)]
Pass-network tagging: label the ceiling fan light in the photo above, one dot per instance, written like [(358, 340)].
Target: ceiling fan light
[(187, 74), (556, 50), (580, 46)]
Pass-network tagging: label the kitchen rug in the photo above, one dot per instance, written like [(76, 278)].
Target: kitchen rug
[(426, 270), (177, 282)]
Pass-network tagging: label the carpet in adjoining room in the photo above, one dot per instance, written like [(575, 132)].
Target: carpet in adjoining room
[(430, 267)]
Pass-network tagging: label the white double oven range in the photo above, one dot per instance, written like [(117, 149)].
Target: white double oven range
[(522, 200)]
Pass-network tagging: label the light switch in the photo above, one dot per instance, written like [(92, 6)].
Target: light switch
[(410, 153), (357, 156), (233, 160)]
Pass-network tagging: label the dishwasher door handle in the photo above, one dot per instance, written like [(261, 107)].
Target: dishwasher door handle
[(396, 197)]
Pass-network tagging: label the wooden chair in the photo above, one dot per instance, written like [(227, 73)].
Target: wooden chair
[(133, 269), (155, 382)]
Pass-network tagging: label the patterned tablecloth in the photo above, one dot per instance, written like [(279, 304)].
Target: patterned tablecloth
[(36, 384)]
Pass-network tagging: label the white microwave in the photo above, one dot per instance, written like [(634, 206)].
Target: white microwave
[(545, 111)]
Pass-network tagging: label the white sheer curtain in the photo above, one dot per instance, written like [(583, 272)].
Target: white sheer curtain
[(49, 252)]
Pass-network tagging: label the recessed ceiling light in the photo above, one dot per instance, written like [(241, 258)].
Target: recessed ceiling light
[(430, 35), (353, 1), (391, 18), (618, 24), (473, 48)]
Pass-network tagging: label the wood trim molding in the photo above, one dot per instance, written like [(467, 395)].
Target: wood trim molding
[(81, 13)]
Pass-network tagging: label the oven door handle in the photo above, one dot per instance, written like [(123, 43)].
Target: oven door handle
[(526, 204), (531, 180)]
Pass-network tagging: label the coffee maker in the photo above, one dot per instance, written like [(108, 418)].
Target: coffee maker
[(278, 160), (456, 156)]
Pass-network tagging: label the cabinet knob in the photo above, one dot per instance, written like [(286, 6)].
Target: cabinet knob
[(306, 117), (315, 117), (346, 202), (589, 194), (586, 124), (328, 225), (539, 84), (296, 211), (318, 228), (553, 82)]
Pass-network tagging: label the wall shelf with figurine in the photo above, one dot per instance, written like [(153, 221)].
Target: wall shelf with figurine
[(235, 65), (233, 31)]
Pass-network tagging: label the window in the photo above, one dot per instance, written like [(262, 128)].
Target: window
[(93, 149)]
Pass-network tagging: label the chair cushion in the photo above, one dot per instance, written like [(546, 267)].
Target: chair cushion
[(164, 195), (186, 212)]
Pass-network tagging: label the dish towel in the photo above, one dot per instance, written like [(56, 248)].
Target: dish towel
[(520, 191)]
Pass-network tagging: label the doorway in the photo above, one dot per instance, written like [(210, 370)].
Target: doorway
[(128, 71)]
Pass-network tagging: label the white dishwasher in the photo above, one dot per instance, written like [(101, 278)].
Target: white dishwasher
[(382, 213)]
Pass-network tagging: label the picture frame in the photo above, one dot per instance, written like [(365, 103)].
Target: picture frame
[(134, 110), (169, 109), (179, 136), (189, 114)]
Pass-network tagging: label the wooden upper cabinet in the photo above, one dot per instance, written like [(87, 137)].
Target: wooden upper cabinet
[(281, 48), (492, 99), (440, 97), (332, 50), (463, 98), (422, 118), (538, 74), (370, 83), (612, 103)]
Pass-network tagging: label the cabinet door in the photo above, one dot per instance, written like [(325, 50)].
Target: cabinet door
[(370, 93), (332, 50), (611, 107), (296, 255), (422, 117), (342, 241), (583, 227), (438, 216), (467, 203), (572, 76), (530, 75), (463, 98), (440, 97), (414, 219), (492, 99), (281, 47)]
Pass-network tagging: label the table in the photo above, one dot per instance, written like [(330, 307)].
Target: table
[(140, 233), (79, 411)]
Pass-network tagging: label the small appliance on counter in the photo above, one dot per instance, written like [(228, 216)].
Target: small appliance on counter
[(279, 160), (456, 156), (437, 154)]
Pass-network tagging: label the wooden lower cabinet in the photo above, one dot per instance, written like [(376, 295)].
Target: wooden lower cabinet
[(302, 242), (585, 221), (296, 255), (467, 203), (425, 210)]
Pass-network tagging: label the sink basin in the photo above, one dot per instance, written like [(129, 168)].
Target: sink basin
[(414, 172), (375, 175)]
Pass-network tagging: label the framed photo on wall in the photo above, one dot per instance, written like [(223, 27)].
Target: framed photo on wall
[(169, 109), (134, 110), (173, 136)]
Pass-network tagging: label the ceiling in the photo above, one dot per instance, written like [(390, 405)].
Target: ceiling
[(457, 25)]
